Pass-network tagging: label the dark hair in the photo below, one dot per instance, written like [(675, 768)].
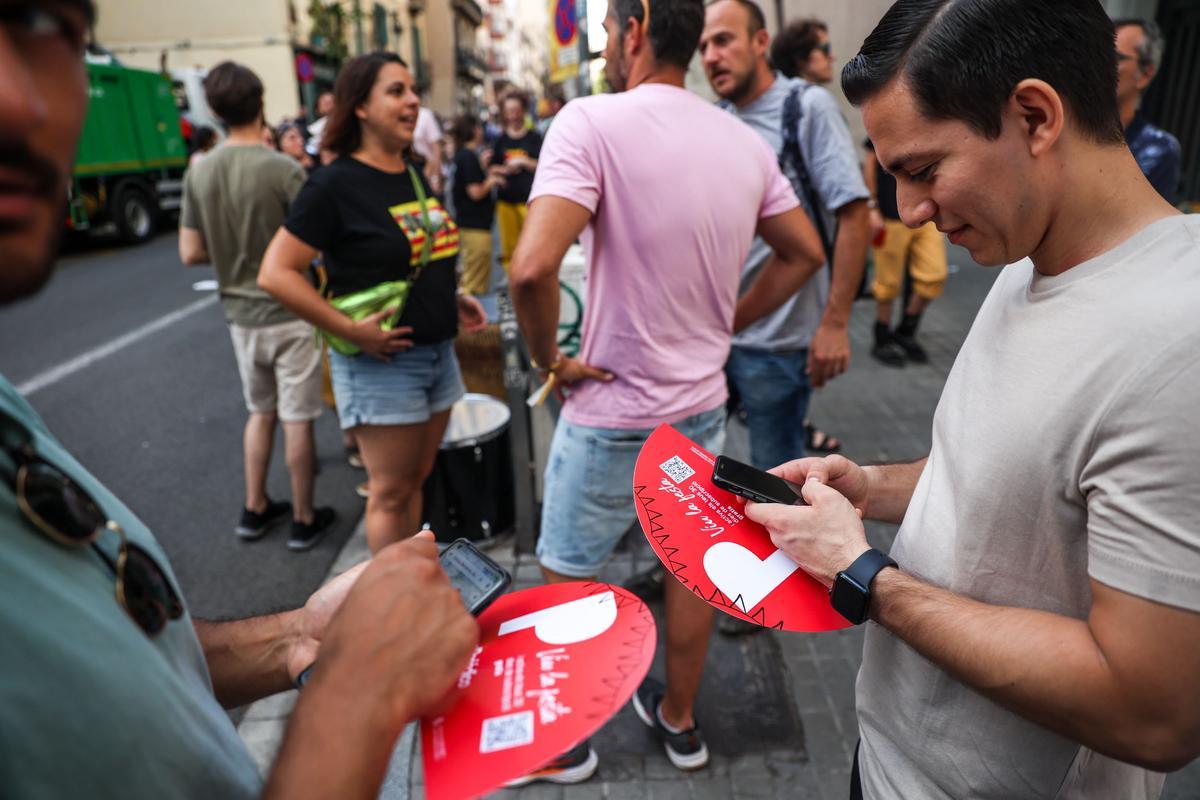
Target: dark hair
[(234, 93), (513, 93), (343, 131), (202, 137), (795, 44), (462, 129), (962, 58), (675, 27)]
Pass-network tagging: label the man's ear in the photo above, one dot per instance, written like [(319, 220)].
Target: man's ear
[(761, 40), (1039, 112), (1146, 73)]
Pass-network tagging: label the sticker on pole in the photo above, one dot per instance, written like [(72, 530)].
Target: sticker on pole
[(700, 534), (553, 665)]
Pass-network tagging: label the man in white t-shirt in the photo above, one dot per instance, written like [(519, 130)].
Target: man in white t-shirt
[(427, 141), (1038, 632)]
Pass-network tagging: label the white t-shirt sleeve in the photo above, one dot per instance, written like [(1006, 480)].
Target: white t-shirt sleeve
[(567, 164), (1140, 482)]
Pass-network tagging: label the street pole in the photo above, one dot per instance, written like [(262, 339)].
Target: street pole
[(585, 71)]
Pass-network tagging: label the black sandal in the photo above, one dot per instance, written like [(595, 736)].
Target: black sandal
[(817, 441)]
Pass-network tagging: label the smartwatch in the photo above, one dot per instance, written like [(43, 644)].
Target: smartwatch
[(851, 591)]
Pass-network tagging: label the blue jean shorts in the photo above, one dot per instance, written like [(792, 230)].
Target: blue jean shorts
[(588, 493), (407, 390)]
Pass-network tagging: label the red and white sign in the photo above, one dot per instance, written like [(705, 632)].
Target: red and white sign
[(553, 665), (701, 535)]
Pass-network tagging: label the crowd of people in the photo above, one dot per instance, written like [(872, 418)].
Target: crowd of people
[(1035, 628)]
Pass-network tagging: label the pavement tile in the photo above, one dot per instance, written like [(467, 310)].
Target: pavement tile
[(748, 766), (714, 787), (753, 787), (826, 748), (834, 784), (668, 790), (622, 767)]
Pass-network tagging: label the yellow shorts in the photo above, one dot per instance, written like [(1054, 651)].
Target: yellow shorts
[(475, 256), (924, 252), (510, 219)]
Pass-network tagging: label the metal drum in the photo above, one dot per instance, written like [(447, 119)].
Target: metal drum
[(469, 494)]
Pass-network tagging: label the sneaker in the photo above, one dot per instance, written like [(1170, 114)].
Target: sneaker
[(354, 459), (912, 349), (306, 536), (647, 585), (729, 625), (574, 766), (686, 749), (888, 352), (254, 523), (363, 490)]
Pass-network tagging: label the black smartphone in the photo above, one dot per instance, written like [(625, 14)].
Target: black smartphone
[(479, 579), (754, 484)]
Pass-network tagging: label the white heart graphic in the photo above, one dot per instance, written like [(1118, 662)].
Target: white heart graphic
[(739, 573)]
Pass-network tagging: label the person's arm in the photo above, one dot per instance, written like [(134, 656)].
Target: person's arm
[(796, 256), (192, 249), (552, 225), (879, 491), (871, 179), (391, 654), (829, 352), (284, 275)]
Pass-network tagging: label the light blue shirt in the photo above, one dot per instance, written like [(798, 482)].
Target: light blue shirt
[(836, 175), (89, 705)]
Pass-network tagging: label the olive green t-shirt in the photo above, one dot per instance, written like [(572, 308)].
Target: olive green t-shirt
[(237, 196), (89, 705)]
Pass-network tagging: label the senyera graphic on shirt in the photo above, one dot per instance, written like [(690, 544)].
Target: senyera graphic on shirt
[(445, 231), (553, 665), (702, 537)]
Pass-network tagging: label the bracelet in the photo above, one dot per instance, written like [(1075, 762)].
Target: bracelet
[(552, 368)]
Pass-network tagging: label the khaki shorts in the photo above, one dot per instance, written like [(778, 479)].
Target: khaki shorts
[(475, 255), (510, 219), (280, 367), (922, 250)]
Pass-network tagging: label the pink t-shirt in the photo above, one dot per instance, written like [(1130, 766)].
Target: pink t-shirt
[(676, 188)]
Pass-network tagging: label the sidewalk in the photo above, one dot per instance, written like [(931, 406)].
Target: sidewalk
[(777, 708)]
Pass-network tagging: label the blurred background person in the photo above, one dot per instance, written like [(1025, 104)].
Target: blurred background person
[(204, 139), (1140, 48), (802, 50), (516, 150), (427, 143), (474, 205), (291, 144)]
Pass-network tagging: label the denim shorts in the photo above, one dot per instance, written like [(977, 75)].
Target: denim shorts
[(407, 390), (588, 494)]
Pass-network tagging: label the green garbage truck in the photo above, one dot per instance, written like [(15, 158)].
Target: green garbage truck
[(129, 168)]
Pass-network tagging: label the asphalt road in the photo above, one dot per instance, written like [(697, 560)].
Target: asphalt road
[(133, 369)]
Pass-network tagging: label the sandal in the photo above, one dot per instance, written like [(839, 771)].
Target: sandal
[(817, 441)]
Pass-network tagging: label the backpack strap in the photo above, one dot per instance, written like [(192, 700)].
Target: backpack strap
[(793, 155)]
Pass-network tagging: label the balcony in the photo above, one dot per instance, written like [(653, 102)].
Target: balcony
[(471, 65)]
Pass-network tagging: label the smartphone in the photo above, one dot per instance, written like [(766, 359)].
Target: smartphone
[(754, 484), (479, 579)]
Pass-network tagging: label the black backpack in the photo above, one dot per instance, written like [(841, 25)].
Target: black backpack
[(791, 154)]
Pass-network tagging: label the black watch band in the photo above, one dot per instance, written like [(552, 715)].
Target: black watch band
[(851, 591)]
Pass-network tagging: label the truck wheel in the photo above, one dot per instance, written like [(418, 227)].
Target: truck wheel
[(135, 215)]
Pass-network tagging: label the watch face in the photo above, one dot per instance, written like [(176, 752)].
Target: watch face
[(850, 599)]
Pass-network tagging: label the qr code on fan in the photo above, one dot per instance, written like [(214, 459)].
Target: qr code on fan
[(504, 733), (677, 469)]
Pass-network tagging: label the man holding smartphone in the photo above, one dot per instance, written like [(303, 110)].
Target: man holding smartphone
[(110, 688), (1038, 619), (665, 239)]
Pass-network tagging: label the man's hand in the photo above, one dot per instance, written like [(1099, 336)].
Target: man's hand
[(471, 316), (400, 638), (823, 537), (315, 617), (836, 472), (572, 371), (375, 341), (828, 354)]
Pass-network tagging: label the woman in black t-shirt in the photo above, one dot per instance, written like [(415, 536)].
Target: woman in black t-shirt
[(474, 206), (376, 221)]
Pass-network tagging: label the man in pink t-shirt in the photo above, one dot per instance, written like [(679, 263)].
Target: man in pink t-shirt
[(667, 193)]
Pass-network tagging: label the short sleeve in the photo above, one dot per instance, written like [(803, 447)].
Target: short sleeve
[(779, 197), (188, 216), (313, 218), (568, 166), (1140, 483), (829, 151)]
